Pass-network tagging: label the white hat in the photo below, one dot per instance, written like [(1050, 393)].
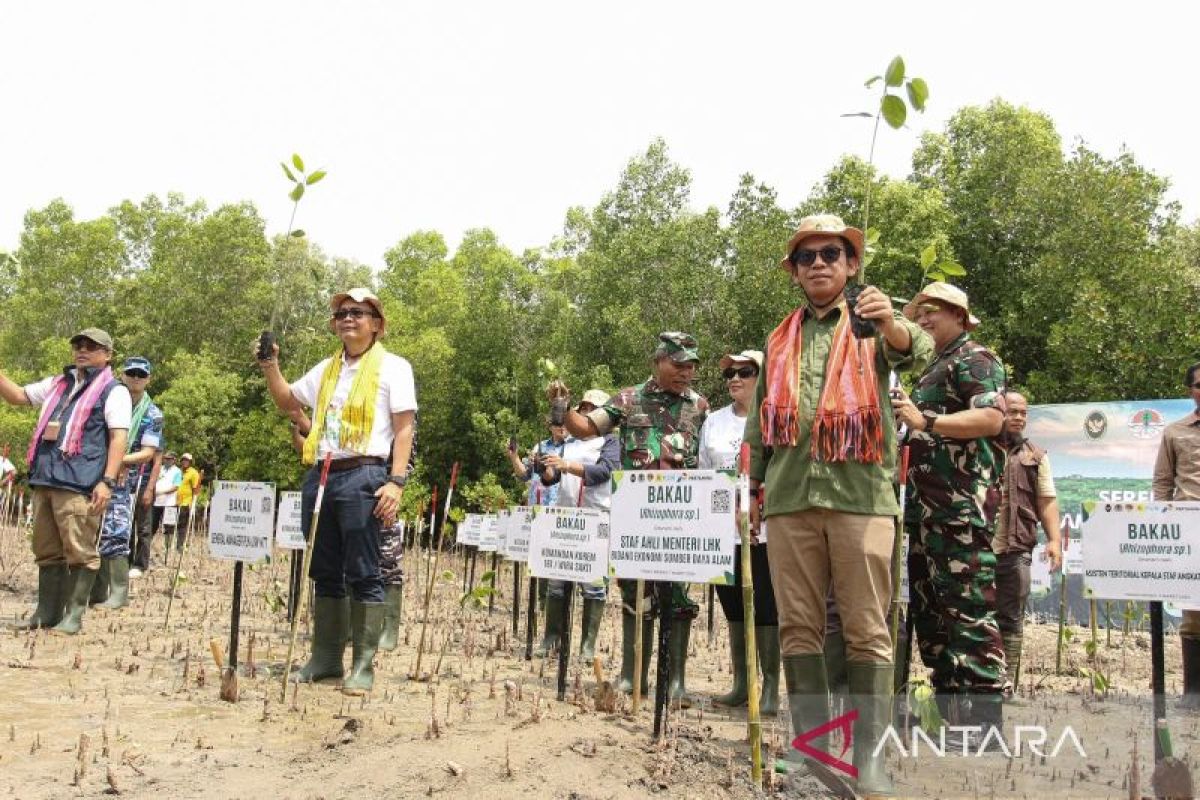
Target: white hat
[(746, 355), (596, 397)]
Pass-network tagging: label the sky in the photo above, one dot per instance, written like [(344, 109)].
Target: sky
[(455, 115)]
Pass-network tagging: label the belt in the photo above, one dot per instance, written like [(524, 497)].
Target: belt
[(343, 464)]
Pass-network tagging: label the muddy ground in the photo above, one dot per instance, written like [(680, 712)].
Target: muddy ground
[(131, 707)]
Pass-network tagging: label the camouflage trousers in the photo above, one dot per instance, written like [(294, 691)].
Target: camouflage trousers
[(391, 555), (952, 599), (681, 605), (118, 525)]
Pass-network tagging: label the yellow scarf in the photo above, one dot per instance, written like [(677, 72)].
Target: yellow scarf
[(358, 414)]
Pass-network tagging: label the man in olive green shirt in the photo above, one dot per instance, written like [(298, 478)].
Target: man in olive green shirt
[(823, 441)]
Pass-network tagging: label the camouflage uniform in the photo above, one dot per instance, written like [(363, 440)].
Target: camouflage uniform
[(659, 430), (118, 517), (953, 495), (391, 554)]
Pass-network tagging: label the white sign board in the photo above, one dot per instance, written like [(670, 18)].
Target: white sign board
[(904, 568), (1073, 558), (489, 534), (569, 544), (241, 521), (170, 515), (1041, 580), (468, 530), (288, 533), (673, 525), (519, 529), (503, 521), (1143, 551)]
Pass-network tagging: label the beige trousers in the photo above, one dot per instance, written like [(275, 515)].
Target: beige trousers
[(64, 529), (813, 549)]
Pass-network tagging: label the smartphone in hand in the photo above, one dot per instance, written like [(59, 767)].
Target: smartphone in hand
[(266, 344)]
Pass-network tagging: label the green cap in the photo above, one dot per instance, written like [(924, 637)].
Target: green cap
[(96, 335), (677, 346)]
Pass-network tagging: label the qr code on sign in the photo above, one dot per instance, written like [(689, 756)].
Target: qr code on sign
[(720, 501)]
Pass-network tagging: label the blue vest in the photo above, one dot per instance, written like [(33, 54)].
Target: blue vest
[(80, 473)]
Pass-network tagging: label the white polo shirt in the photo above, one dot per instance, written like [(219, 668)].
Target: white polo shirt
[(397, 393), (118, 406)]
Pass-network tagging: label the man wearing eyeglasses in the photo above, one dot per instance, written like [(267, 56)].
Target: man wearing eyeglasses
[(363, 403), (74, 460), (111, 589), (1177, 477), (660, 423), (954, 416), (823, 444)]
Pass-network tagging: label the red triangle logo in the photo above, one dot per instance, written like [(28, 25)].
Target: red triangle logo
[(845, 723)]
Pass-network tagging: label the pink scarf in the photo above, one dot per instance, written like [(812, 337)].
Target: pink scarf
[(70, 438)]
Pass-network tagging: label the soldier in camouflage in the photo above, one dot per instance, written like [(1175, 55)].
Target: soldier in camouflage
[(660, 429), (956, 409)]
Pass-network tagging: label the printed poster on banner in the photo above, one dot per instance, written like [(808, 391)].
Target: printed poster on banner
[(489, 534), (517, 536), (569, 544), (1143, 551), (673, 525), (289, 535), (242, 521)]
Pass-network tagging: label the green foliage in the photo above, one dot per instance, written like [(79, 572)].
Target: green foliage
[(200, 406), (477, 597)]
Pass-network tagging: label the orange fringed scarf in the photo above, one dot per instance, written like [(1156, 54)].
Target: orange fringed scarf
[(848, 424)]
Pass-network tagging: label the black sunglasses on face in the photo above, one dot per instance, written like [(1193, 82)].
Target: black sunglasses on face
[(804, 257), (741, 372), (86, 346), (353, 313), (134, 373)]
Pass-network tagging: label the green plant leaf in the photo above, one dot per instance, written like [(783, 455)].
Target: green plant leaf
[(297, 192), (299, 162), (872, 236), (316, 176), (934, 275), (895, 72), (928, 256), (287, 172), (894, 110), (952, 268), (872, 81), (298, 233), (918, 93)]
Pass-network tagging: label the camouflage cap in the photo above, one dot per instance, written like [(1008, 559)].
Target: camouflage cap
[(677, 346)]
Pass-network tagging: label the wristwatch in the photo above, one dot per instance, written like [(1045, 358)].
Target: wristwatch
[(111, 483), (930, 418), (399, 480)]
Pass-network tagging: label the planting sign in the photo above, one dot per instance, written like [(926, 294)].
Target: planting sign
[(288, 533), (674, 525), (242, 521), (517, 531), (1143, 551), (569, 544), (489, 534)]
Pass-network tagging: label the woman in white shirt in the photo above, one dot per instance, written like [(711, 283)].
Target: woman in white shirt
[(720, 442)]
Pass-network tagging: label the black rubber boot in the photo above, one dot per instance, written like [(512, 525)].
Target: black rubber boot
[(554, 607), (118, 583), (390, 637), (871, 693), (628, 630), (331, 626), (79, 588), (987, 711), (51, 598), (681, 634), (593, 613), (366, 625), (766, 641), (100, 585), (737, 653), (1191, 673)]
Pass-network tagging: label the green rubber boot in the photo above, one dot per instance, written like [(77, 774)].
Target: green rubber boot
[(118, 582), (681, 635), (393, 597), (628, 630), (808, 702), (52, 589), (1012, 660), (1191, 673), (593, 613), (331, 625), (766, 641), (737, 652), (554, 608), (871, 693), (366, 625), (79, 588), (100, 586)]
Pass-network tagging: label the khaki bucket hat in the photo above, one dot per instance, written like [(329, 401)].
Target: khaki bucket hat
[(822, 225), (944, 292), (361, 295)]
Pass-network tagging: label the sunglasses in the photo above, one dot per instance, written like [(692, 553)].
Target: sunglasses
[(730, 373), (353, 313), (86, 345), (136, 373), (1196, 385), (804, 257)]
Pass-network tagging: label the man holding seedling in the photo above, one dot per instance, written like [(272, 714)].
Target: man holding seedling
[(1177, 477), (823, 444), (74, 461), (1027, 497), (363, 403), (956, 411), (660, 429)]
